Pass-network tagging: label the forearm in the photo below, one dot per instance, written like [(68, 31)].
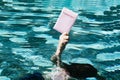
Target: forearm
[(63, 40), (59, 49)]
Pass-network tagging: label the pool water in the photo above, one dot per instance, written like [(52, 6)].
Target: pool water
[(27, 38)]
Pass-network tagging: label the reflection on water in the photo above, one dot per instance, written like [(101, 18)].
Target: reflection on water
[(27, 39)]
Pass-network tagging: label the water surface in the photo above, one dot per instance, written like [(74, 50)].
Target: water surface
[(27, 38)]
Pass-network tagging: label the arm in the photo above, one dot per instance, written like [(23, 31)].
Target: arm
[(63, 40)]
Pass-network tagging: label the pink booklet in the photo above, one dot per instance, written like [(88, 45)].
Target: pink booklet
[(65, 21)]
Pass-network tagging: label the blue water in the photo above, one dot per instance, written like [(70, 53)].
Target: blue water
[(27, 38)]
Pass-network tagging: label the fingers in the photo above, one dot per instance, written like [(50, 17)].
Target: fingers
[(65, 41), (64, 36), (65, 33)]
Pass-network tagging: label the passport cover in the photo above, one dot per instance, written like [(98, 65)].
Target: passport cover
[(65, 21)]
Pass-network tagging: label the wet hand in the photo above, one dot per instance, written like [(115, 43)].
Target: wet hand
[(63, 39)]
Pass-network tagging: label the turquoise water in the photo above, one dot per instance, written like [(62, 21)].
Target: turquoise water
[(27, 38)]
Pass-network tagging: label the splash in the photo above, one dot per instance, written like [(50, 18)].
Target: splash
[(58, 74)]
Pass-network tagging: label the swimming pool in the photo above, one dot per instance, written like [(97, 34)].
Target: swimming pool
[(27, 38)]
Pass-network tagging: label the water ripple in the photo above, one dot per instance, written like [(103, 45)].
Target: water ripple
[(18, 40), (108, 56), (113, 68)]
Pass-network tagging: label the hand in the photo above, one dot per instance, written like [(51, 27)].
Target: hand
[(63, 39)]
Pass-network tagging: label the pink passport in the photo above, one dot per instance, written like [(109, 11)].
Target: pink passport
[(65, 21)]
